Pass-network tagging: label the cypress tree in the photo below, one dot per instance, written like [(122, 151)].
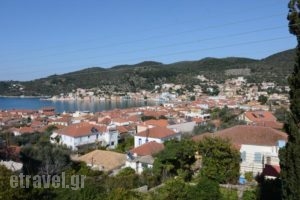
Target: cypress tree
[(290, 155)]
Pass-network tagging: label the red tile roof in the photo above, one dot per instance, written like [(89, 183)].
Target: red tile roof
[(153, 113), (122, 129), (134, 118), (157, 132), (258, 116), (80, 129), (272, 124), (105, 120), (25, 129), (245, 134), (119, 120), (64, 119), (160, 122), (149, 148)]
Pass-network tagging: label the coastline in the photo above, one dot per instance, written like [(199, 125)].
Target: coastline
[(51, 99), (35, 103), (32, 97)]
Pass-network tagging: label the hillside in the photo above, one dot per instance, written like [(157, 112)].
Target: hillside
[(125, 78)]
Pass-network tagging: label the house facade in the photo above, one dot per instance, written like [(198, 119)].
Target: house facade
[(157, 134), (139, 164), (85, 133), (258, 146), (255, 157)]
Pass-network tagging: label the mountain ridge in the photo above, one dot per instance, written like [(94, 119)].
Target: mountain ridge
[(147, 74)]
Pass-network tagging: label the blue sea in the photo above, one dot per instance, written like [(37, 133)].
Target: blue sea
[(7, 103)]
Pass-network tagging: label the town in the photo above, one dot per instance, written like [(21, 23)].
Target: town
[(248, 116), (150, 100)]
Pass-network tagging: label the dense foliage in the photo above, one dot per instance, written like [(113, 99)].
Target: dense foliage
[(290, 155), (220, 161), (175, 159)]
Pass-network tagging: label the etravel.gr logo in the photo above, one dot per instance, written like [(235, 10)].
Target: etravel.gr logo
[(45, 181)]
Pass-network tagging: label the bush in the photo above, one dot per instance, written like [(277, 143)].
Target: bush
[(249, 176)]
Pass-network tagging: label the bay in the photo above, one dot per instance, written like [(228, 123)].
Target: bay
[(8, 103)]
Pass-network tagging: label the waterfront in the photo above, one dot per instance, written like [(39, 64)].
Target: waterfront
[(8, 103)]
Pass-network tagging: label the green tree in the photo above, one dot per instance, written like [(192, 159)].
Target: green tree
[(262, 99), (6, 191), (281, 114), (45, 159), (220, 161), (127, 171), (93, 189), (269, 188), (290, 155), (206, 189), (126, 144), (122, 194), (174, 189), (250, 194), (176, 157), (126, 179)]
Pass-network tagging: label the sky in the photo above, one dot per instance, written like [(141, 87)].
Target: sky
[(42, 38)]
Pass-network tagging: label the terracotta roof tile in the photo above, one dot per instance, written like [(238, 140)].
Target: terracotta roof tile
[(134, 118), (258, 116), (104, 120), (25, 129), (80, 129), (160, 122), (272, 124), (122, 129), (157, 132), (119, 120), (149, 148), (245, 134)]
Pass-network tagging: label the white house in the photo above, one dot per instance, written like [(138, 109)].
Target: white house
[(85, 133), (258, 145), (157, 134), (139, 164), (140, 158)]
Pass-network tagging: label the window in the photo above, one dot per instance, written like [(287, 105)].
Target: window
[(257, 157), (140, 141), (112, 143), (243, 156)]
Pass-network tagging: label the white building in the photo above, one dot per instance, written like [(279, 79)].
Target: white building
[(157, 134), (139, 164), (258, 145), (85, 133)]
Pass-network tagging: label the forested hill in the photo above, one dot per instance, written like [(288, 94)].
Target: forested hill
[(145, 75)]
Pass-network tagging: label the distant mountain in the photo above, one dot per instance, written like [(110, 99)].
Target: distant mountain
[(142, 64), (145, 75)]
